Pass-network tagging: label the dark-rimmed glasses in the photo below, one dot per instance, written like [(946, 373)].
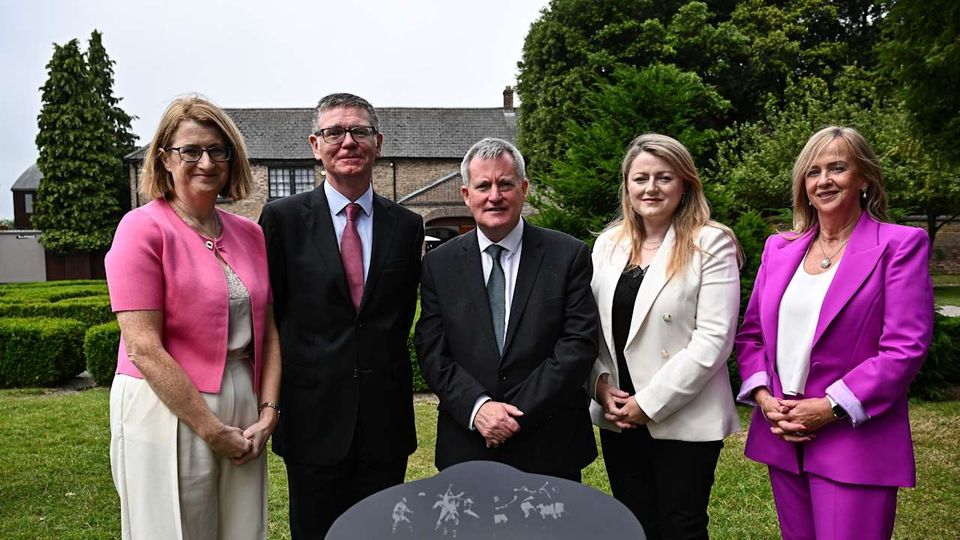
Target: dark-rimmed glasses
[(335, 135), (193, 154)]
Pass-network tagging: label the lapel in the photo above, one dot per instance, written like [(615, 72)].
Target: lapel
[(863, 252), (531, 255), (653, 282), (384, 225), (471, 278), (611, 266), (320, 226), (780, 266)]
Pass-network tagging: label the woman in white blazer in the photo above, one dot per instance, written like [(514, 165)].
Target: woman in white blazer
[(667, 283)]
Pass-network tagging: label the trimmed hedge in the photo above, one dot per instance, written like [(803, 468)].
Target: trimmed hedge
[(90, 310), (100, 348), (40, 351), (942, 367), (54, 291)]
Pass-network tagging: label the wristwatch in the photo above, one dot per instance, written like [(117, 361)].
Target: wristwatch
[(838, 411)]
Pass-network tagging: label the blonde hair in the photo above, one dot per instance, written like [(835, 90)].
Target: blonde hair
[(875, 203), (156, 181), (692, 214)]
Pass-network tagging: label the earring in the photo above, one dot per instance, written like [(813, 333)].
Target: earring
[(809, 202), (863, 193)]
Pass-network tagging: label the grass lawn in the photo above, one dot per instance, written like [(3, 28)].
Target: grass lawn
[(55, 474), (946, 295)]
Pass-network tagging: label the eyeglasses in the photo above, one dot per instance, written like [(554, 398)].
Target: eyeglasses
[(335, 135), (192, 154)]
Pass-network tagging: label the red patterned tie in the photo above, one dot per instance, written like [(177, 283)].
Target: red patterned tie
[(351, 253)]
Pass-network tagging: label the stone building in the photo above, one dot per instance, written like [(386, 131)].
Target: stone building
[(419, 164)]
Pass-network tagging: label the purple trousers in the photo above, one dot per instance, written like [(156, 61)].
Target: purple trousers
[(812, 507)]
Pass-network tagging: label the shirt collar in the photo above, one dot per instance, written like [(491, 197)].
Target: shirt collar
[(511, 242), (338, 201)]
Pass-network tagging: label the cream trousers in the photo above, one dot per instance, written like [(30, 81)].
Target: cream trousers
[(171, 485)]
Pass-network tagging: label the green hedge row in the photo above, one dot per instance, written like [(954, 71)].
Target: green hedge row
[(90, 310), (100, 348), (40, 351), (942, 367), (54, 291)]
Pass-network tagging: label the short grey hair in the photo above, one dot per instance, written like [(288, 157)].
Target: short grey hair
[(349, 101), (491, 148)]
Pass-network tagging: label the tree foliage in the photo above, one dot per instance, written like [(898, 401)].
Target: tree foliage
[(82, 138), (921, 50), (580, 192)]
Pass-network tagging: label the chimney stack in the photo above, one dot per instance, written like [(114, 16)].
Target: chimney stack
[(508, 99)]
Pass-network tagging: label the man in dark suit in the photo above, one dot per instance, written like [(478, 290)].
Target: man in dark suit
[(344, 265), (508, 330)]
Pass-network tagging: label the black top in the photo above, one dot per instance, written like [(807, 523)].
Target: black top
[(624, 297)]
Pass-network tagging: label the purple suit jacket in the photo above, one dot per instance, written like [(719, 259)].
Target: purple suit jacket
[(872, 336)]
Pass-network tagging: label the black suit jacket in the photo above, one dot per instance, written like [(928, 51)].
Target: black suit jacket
[(340, 366), (550, 346)]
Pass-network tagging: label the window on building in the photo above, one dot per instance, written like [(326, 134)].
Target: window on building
[(290, 180), (28, 203)]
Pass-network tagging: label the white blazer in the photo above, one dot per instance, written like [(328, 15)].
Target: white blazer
[(680, 336)]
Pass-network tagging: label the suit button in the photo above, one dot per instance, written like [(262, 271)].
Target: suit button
[(356, 374), (503, 378), (664, 353), (667, 317)]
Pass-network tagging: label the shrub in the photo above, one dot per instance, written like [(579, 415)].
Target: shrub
[(100, 348), (50, 291), (40, 351), (942, 366), (91, 310)]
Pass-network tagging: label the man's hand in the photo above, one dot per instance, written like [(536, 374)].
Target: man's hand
[(495, 421)]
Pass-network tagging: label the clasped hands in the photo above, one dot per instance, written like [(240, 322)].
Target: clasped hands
[(619, 407), (244, 445), (794, 420), (496, 421)]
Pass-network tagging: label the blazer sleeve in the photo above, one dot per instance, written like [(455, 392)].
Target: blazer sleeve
[(685, 374), (457, 389), (134, 264), (600, 258), (880, 381), (549, 385), (751, 355)]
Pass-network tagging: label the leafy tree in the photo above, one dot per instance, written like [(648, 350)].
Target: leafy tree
[(100, 68), (580, 192), (76, 201), (746, 50), (922, 52)]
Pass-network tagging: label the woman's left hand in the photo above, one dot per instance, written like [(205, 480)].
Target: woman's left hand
[(633, 413), (258, 433), (811, 413)]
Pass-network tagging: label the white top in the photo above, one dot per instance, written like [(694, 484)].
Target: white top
[(799, 314), (338, 213)]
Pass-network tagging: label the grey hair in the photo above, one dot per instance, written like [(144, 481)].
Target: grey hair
[(491, 148), (343, 100)]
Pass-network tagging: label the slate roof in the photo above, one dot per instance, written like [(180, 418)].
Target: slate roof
[(281, 134), (29, 180)]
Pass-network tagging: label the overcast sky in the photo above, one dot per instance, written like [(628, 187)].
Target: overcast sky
[(275, 53)]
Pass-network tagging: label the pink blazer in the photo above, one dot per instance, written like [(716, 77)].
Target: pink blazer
[(873, 333), (157, 262)]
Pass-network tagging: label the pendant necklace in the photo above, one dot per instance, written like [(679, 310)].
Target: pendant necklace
[(194, 224), (826, 262)]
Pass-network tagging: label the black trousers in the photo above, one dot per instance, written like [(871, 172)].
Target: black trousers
[(665, 483), (320, 494)]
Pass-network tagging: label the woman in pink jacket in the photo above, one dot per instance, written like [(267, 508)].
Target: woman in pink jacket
[(198, 370), (837, 327)]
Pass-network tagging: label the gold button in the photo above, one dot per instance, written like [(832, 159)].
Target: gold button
[(667, 317), (664, 354)]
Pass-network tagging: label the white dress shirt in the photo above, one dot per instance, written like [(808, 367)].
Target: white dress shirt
[(512, 245), (338, 213), (799, 314)]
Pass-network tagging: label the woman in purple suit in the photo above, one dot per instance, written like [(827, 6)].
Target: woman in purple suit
[(838, 325)]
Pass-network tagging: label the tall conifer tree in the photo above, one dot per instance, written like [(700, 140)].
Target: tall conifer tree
[(77, 205)]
